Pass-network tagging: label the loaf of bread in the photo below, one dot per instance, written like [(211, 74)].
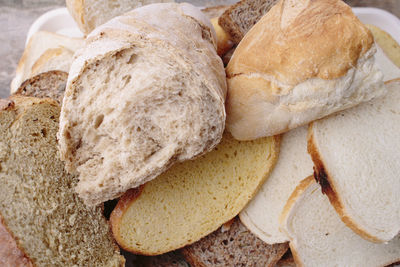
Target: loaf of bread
[(38, 44), (38, 206), (90, 14), (146, 91), (193, 198), (261, 215), (355, 153), (304, 60), (319, 238)]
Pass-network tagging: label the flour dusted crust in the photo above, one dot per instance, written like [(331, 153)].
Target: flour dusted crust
[(300, 62)]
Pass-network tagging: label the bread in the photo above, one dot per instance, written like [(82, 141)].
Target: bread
[(238, 19), (355, 153), (90, 14), (171, 259), (193, 198), (233, 245), (224, 44), (37, 45), (59, 58), (47, 84), (214, 11), (261, 215), (38, 206), (140, 98), (287, 260), (319, 238), (293, 67)]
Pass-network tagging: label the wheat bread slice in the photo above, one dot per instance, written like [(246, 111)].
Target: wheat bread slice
[(38, 205), (193, 198), (319, 238), (355, 154), (238, 19), (47, 84), (233, 245), (261, 215)]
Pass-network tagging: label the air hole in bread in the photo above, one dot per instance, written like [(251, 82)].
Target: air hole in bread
[(132, 59), (44, 132), (98, 121)]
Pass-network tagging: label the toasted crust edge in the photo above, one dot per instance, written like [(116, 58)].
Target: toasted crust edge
[(328, 187)]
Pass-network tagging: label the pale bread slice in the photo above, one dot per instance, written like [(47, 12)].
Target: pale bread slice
[(233, 245), (319, 238), (355, 153), (193, 198), (59, 58), (261, 215), (37, 45)]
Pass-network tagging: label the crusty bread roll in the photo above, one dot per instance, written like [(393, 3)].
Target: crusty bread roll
[(89, 14), (319, 238), (303, 60), (356, 158), (145, 92)]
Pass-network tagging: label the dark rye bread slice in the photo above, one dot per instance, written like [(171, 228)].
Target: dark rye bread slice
[(233, 245), (47, 84), (39, 208), (239, 18)]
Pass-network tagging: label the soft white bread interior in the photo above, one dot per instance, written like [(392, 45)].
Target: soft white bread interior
[(146, 91), (37, 45), (90, 14), (304, 60), (193, 198), (38, 204), (59, 58), (356, 158), (319, 238), (261, 215)]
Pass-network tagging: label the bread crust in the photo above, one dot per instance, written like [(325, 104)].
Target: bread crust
[(75, 8), (328, 187)]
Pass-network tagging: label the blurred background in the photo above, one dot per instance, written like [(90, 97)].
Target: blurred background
[(16, 16)]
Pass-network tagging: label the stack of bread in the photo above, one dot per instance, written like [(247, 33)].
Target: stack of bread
[(136, 112)]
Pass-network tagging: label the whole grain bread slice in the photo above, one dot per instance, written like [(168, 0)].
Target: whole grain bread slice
[(233, 245), (240, 17), (47, 84)]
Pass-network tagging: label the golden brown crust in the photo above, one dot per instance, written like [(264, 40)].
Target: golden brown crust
[(328, 188), (310, 39)]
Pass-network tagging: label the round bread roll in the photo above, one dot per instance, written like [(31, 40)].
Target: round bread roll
[(146, 91), (302, 61)]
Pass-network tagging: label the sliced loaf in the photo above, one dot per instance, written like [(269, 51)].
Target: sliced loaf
[(319, 238), (38, 44), (48, 84), (193, 198), (238, 19), (38, 205), (233, 245), (262, 214), (355, 153), (146, 91), (90, 14)]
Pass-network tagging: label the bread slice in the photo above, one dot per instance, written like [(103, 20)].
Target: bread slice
[(193, 198), (261, 215), (90, 14), (214, 11), (38, 205), (275, 84), (140, 97), (355, 153), (224, 43), (171, 259), (37, 45), (59, 58), (233, 245), (319, 238), (47, 84), (238, 19)]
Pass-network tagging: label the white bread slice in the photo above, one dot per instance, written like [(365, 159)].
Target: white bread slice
[(261, 215), (59, 58), (37, 45), (90, 14), (38, 205), (304, 60), (193, 198), (356, 158), (146, 91), (319, 238)]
